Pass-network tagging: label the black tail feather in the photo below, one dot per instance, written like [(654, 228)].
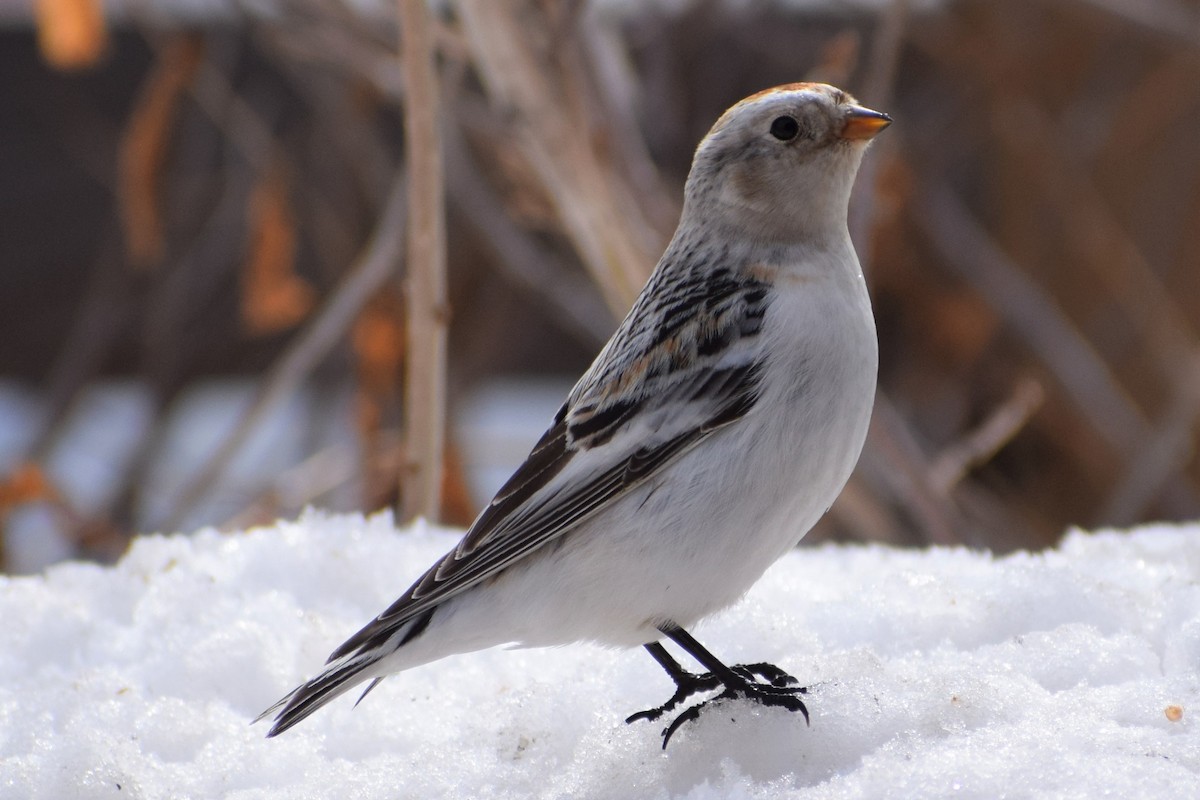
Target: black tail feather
[(345, 669), (307, 698)]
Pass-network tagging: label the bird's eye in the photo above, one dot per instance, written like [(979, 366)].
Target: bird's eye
[(785, 128)]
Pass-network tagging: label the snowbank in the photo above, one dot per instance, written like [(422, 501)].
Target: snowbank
[(934, 674)]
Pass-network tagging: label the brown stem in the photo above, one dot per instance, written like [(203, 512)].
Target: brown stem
[(425, 388)]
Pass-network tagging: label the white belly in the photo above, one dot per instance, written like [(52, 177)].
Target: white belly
[(696, 537)]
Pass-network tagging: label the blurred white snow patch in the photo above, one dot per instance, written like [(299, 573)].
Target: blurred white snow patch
[(942, 673), (500, 422), (92, 447)]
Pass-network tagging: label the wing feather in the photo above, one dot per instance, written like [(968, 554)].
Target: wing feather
[(601, 444)]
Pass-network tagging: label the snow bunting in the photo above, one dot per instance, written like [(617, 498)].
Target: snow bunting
[(714, 428)]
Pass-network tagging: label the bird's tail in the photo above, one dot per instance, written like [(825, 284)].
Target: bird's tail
[(339, 677), (351, 664)]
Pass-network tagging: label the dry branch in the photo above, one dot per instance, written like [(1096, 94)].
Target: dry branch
[(1032, 315), (514, 46), (1162, 454), (425, 287), (980, 444), (519, 257), (903, 466), (374, 267), (878, 91)]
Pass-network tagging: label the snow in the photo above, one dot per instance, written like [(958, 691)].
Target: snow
[(940, 673)]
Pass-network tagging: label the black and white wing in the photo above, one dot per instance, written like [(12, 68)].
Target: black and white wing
[(685, 362)]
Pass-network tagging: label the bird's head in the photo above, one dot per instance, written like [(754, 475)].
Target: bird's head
[(779, 165)]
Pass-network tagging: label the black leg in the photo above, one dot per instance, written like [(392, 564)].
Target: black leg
[(686, 683), (772, 673), (741, 680), (666, 661)]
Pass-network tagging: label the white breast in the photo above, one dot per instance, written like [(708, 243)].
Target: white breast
[(696, 537)]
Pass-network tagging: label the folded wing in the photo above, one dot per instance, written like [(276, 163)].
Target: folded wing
[(696, 371)]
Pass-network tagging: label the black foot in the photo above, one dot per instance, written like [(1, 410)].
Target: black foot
[(690, 683), (768, 695), (776, 687), (772, 673)]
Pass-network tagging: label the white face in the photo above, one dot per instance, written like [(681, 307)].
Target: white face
[(780, 164)]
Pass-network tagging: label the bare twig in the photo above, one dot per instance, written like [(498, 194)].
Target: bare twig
[(1093, 231), (980, 444), (1161, 454), (618, 93), (340, 51), (877, 91), (905, 468), (880, 80), (1119, 263), (372, 270), (521, 259), (1033, 316), (292, 489), (507, 37), (864, 514), (1045, 153), (426, 304), (107, 308)]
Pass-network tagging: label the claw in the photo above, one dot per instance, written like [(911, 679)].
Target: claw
[(770, 696), (692, 713), (780, 691), (771, 673), (688, 686)]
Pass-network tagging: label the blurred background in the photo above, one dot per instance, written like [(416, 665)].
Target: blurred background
[(227, 293)]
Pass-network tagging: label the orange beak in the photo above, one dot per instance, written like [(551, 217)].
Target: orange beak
[(863, 123)]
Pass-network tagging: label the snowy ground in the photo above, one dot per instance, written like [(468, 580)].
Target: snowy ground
[(934, 674)]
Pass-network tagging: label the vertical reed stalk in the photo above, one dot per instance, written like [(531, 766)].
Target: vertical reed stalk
[(425, 286)]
